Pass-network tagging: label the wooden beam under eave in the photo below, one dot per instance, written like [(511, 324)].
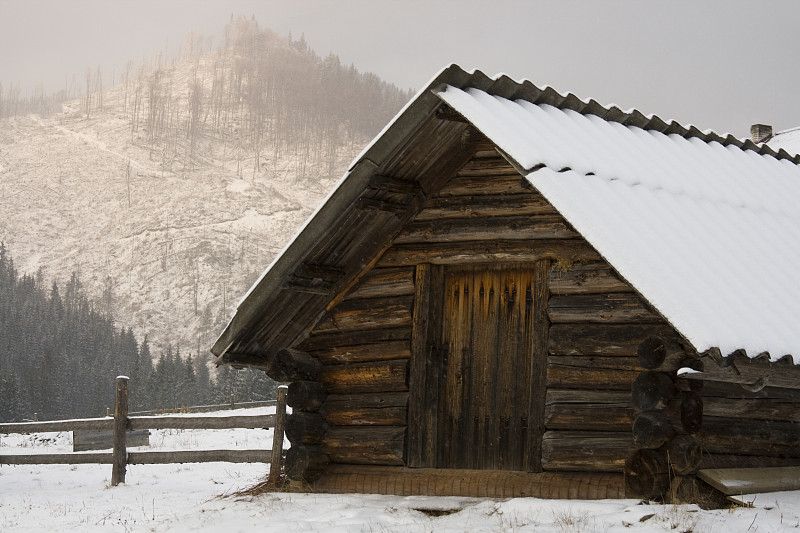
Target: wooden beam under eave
[(447, 113), (371, 204), (395, 185), (244, 360)]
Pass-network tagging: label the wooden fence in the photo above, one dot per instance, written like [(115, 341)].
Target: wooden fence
[(121, 422)]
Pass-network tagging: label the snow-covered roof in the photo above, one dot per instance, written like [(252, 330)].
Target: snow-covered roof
[(708, 234), (701, 224), (788, 140)]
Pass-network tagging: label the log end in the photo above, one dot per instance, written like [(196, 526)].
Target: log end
[(651, 430), (305, 463), (651, 352), (646, 475)]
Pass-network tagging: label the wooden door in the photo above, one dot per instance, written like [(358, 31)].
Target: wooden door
[(483, 400)]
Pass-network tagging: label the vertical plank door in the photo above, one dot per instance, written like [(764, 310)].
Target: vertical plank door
[(483, 369)]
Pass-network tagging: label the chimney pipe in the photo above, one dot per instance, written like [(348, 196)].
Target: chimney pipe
[(760, 133)]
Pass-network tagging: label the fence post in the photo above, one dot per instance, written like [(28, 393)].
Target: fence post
[(120, 453), (276, 465)]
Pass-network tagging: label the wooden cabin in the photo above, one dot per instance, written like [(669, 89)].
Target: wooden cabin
[(514, 292)]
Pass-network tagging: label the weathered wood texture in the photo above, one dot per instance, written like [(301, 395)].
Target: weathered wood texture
[(425, 367), (657, 353), (306, 395), (367, 313), (58, 425), (337, 341), (383, 409), (710, 460), (201, 422), (750, 437), (653, 390), (611, 308), (483, 206), (752, 480), (751, 374), (485, 356), (752, 408), (400, 349), (690, 489), (58, 459), (612, 373), (592, 410), (84, 440), (489, 251), (378, 376), (588, 451), (346, 479), (474, 229), (305, 428), (646, 475), (358, 235), (120, 462), (116, 437), (378, 351), (276, 459), (365, 445), (383, 282), (651, 429), (305, 463), (683, 454), (588, 277), (748, 429), (200, 456), (291, 364), (601, 339)]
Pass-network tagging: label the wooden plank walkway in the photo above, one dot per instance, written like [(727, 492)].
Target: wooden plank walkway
[(731, 481)]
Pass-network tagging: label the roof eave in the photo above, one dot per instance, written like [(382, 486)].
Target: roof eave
[(350, 187)]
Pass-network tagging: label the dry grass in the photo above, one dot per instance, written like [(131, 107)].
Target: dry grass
[(283, 484)]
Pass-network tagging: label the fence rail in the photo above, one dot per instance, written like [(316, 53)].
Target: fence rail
[(204, 408), (142, 458), (121, 423), (145, 422)]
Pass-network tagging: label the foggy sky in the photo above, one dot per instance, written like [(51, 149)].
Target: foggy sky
[(721, 65)]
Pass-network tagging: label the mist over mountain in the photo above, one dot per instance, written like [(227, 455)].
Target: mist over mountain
[(170, 191)]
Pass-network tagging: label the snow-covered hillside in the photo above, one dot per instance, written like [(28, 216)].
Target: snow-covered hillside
[(171, 252), (201, 497), (170, 192)]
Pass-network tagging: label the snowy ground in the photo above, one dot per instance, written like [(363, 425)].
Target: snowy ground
[(201, 498)]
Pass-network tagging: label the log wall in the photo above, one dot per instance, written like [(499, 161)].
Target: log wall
[(597, 322), (364, 345), (744, 429), (686, 424), (485, 215)]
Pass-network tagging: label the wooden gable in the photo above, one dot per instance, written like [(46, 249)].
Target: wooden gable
[(393, 398)]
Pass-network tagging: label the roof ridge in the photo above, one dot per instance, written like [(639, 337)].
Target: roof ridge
[(506, 87)]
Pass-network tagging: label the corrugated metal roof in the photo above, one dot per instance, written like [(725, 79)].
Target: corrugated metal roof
[(708, 233), (788, 141)]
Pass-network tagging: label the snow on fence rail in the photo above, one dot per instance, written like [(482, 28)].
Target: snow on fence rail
[(121, 422)]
